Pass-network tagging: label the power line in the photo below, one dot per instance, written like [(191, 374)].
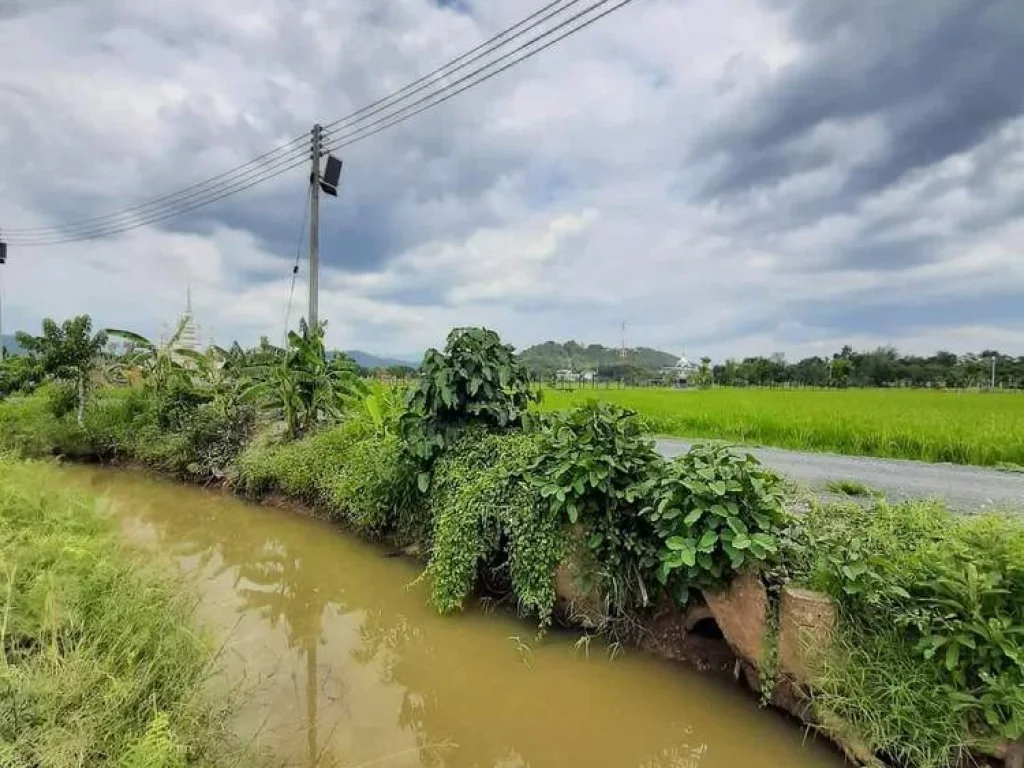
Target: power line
[(281, 166), (252, 177), (460, 62), (347, 131), (209, 190), (360, 134), (171, 198)]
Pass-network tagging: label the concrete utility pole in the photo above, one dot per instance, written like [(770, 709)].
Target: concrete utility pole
[(3, 261), (993, 371), (314, 228)]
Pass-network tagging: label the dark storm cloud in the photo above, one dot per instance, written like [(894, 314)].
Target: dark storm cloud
[(866, 314), (940, 75)]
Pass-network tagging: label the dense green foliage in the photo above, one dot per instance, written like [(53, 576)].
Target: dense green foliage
[(590, 466), (302, 385), (98, 663), (958, 427), (927, 661), (925, 595), (715, 512), (880, 367), (475, 380), (479, 505), (66, 352)]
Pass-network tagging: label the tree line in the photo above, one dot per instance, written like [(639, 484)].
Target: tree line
[(880, 367)]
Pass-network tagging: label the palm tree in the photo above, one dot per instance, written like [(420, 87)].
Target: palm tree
[(301, 383)]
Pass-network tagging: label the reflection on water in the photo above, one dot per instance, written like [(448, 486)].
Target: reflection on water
[(344, 663)]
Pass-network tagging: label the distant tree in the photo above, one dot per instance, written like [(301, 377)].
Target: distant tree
[(705, 375), (68, 352)]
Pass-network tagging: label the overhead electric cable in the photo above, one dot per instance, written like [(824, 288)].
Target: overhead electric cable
[(359, 125), (362, 133), (173, 197)]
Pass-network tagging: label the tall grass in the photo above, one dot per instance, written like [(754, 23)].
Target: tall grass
[(957, 427), (98, 663)]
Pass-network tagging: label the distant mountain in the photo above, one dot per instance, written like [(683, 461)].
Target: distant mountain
[(544, 359), (366, 360)]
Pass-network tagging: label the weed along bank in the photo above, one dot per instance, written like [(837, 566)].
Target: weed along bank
[(892, 631)]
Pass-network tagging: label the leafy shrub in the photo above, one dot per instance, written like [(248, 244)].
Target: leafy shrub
[(476, 379), (61, 398), (28, 427), (590, 467), (19, 375), (115, 419), (714, 512), (300, 469)]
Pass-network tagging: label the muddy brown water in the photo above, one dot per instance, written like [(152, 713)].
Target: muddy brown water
[(343, 663)]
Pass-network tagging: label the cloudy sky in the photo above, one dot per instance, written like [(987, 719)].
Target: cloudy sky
[(728, 177)]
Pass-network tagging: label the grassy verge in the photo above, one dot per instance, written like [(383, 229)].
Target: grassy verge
[(927, 662), (98, 664), (958, 427)]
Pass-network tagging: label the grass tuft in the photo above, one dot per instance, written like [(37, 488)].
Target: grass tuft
[(848, 487), (98, 664)]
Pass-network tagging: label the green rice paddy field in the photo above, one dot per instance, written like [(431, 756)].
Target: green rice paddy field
[(985, 428)]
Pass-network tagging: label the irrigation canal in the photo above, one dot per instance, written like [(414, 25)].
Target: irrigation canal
[(339, 661)]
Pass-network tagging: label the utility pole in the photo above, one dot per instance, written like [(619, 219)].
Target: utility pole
[(314, 228), (993, 371), (3, 261)]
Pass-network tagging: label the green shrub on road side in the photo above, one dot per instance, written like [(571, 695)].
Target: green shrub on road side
[(98, 661), (949, 589), (715, 512)]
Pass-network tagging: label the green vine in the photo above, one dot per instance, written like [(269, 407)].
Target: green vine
[(479, 502)]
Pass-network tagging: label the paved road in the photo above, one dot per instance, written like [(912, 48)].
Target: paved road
[(963, 488)]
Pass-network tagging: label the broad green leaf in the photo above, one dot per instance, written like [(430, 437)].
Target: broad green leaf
[(707, 541)]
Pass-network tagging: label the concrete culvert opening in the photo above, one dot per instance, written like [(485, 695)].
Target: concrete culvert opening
[(708, 628)]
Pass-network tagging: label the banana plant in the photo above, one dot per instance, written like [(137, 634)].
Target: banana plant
[(301, 384), (159, 364)]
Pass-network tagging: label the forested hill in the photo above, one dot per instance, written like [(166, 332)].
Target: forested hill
[(551, 356)]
